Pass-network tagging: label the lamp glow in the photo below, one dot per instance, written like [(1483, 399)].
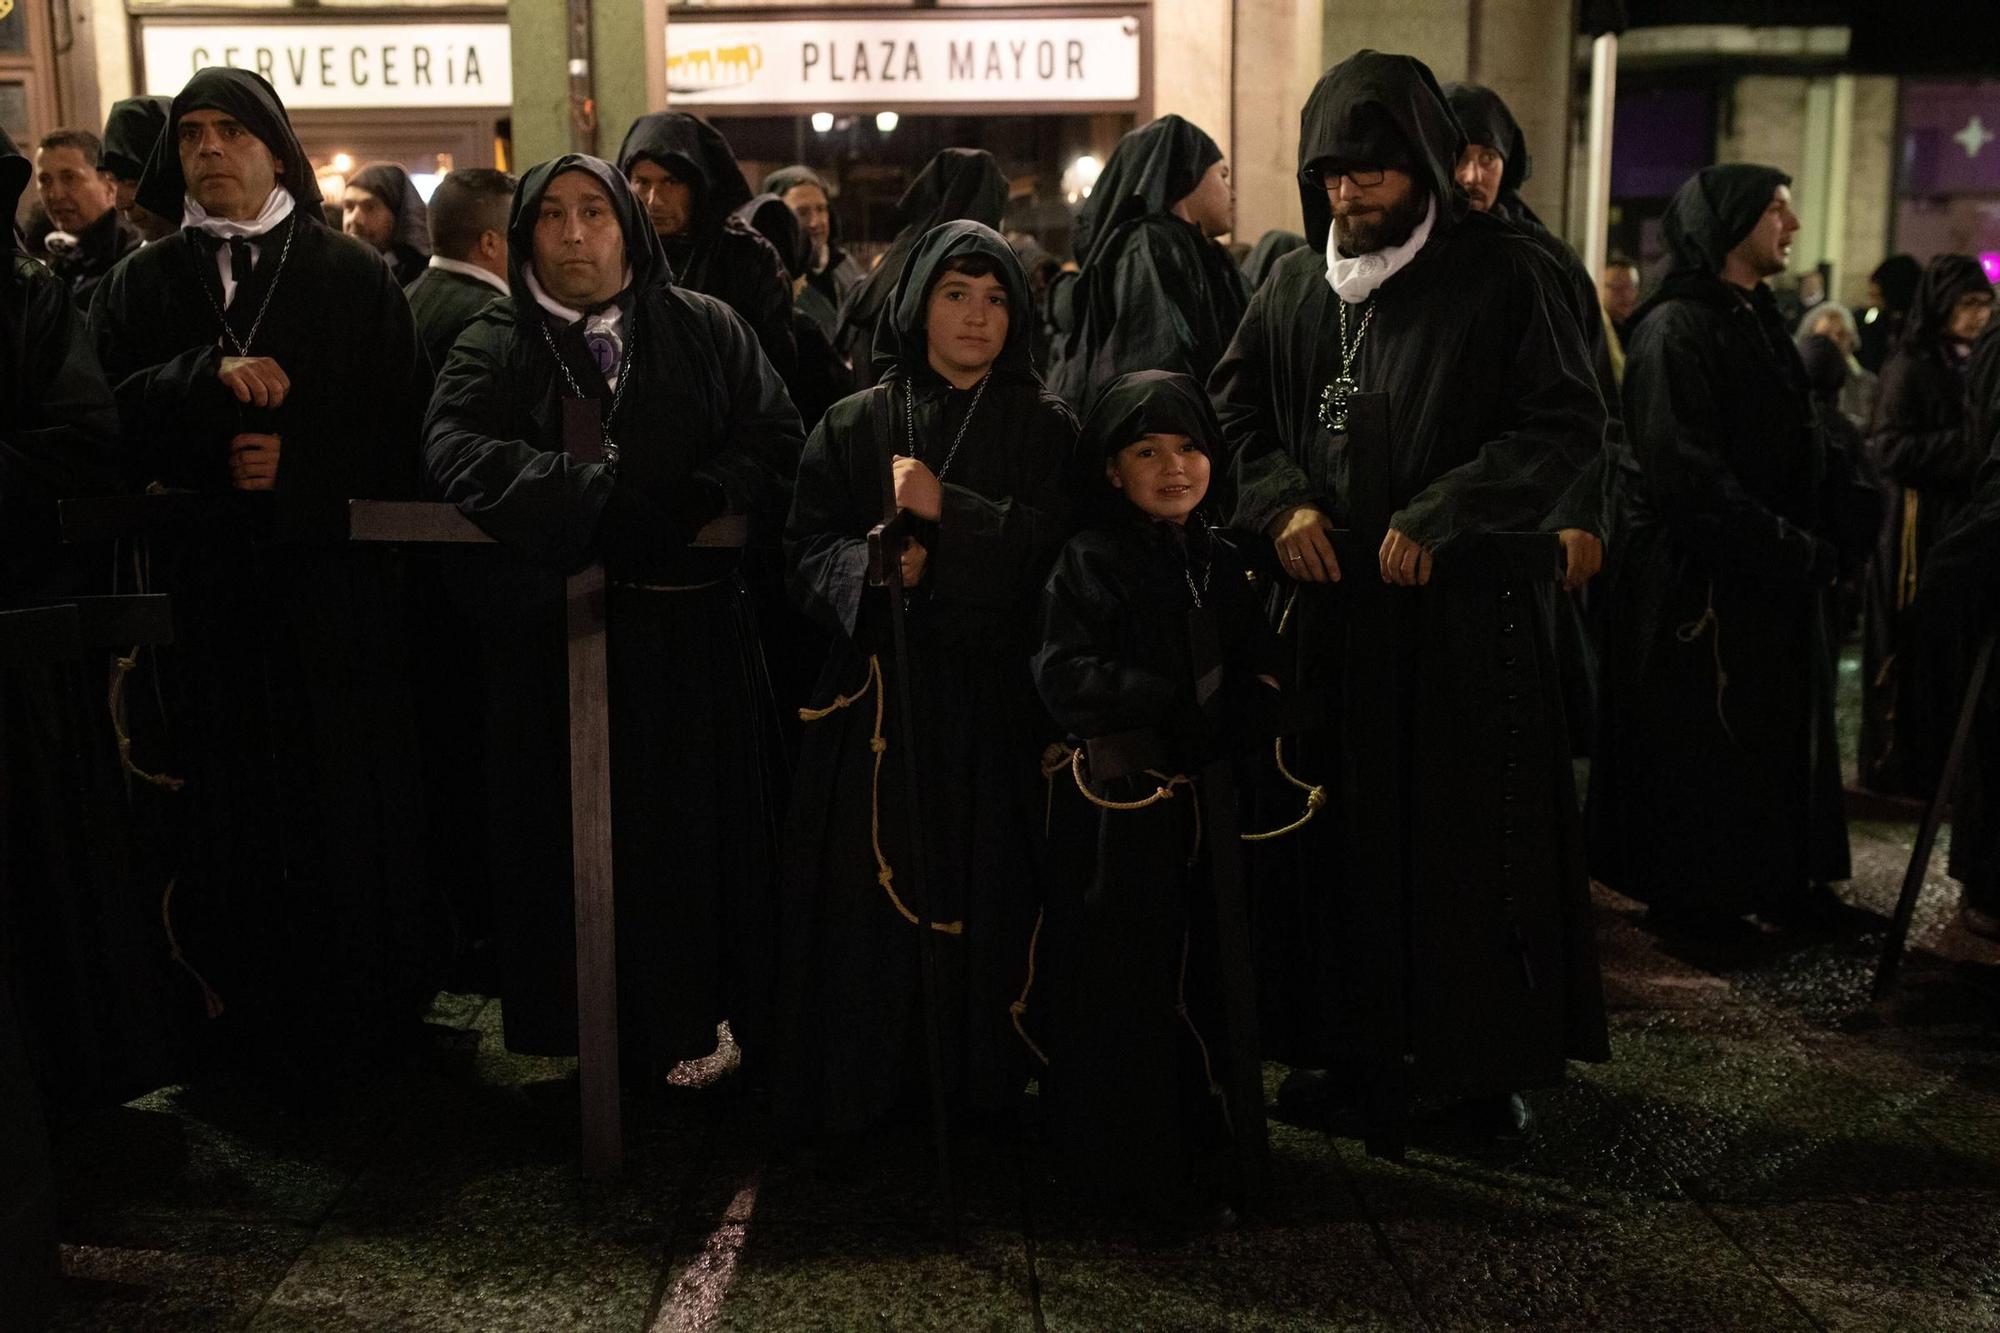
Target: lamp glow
[(822, 122), (887, 121)]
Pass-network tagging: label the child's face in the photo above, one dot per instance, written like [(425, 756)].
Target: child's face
[(966, 323), (1165, 475)]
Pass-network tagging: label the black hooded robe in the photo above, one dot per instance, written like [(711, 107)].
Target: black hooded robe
[(1492, 414), (720, 254), (297, 840), (1922, 445), (691, 727), (1716, 786), (825, 288), (1272, 246), (410, 242), (958, 184), (853, 1017), (1127, 954), (1152, 292)]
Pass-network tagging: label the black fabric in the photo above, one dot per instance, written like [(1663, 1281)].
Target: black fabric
[(776, 223), (1492, 415), (1897, 278), (1712, 212), (1272, 246), (852, 1002), (1982, 390), (1149, 402), (442, 303), (1376, 110), (690, 711), (1923, 449), (1489, 122), (247, 97), (1716, 788), (959, 183), (98, 247), (130, 132), (902, 343), (1153, 292), (697, 154), (410, 242), (15, 173)]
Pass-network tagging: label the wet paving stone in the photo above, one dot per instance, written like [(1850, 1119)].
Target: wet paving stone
[(168, 1274)]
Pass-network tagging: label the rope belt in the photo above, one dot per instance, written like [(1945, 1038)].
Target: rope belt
[(1711, 624), (1020, 1006), (666, 587), (884, 873), (209, 999), (1906, 567), (121, 667)]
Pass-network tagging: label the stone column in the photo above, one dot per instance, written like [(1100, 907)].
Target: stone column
[(629, 56)]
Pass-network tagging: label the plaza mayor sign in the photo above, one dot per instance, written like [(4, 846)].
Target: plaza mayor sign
[(343, 65), (884, 61)]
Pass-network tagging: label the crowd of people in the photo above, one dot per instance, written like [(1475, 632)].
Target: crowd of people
[(1085, 614)]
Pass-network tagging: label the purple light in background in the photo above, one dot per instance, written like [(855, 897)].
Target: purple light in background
[(1990, 261)]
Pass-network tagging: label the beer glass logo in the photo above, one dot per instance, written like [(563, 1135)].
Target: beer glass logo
[(704, 69)]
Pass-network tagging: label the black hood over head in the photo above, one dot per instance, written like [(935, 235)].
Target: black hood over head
[(958, 184), (642, 246), (1153, 168), (1898, 276), (774, 220), (1272, 246), (130, 132), (1149, 402), (1711, 214), (790, 178), (391, 184), (696, 152), (1380, 110), (1944, 280), (246, 96), (1486, 120), (901, 343)]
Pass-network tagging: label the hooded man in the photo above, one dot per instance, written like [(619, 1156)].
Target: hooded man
[(260, 350), (685, 174), (1154, 290), (1716, 786), (468, 265), (81, 202), (979, 457), (381, 207), (130, 132), (958, 184), (1923, 447), (1456, 319), (831, 273), (594, 316)]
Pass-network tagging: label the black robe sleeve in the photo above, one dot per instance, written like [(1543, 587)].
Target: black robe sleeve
[(62, 437), (994, 552), (1910, 443), (1678, 438), (755, 471), (1090, 685), (1260, 480), (177, 407), (823, 547)]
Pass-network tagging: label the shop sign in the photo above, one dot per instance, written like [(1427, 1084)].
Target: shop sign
[(318, 66), (886, 61)]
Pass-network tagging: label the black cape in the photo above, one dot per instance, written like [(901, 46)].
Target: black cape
[(130, 131), (298, 837), (690, 712), (1492, 414), (720, 254), (1272, 246), (1924, 447), (1716, 785), (410, 243), (852, 998), (959, 183), (826, 288), (1152, 292)]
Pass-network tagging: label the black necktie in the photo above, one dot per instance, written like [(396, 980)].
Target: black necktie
[(242, 257)]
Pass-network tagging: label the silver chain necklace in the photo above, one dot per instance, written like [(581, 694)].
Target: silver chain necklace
[(617, 390), (243, 348), (1333, 399), (1207, 566), (910, 421)]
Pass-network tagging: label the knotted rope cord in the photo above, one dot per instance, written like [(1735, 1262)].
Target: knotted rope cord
[(121, 667), (1163, 792), (1315, 798), (884, 874), (1207, 1065), (1285, 618), (1906, 565), (1711, 624), (209, 999), (1020, 1005)]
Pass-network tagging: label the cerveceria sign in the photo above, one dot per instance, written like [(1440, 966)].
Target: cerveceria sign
[(324, 65), (882, 61)]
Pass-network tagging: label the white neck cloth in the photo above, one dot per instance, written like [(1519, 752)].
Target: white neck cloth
[(277, 207), (1354, 279)]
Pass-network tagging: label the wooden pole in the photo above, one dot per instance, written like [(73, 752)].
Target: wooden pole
[(1597, 176)]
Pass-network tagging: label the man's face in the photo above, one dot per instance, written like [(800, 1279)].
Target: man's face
[(1620, 292), (1969, 315), (579, 246), (1211, 205), (74, 192), (229, 171), (669, 200), (366, 218), (1479, 171), (1164, 475), (1768, 247), (1374, 215), (808, 204), (965, 323)]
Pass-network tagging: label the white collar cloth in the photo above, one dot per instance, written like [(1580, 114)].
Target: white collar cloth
[(465, 270), (601, 328), (1355, 278), (277, 207)]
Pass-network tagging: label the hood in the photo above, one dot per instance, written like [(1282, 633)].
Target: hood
[(1898, 276), (244, 95), (900, 341), (1386, 110), (1487, 121), (1149, 402), (696, 152), (1825, 363), (1152, 169), (957, 184), (1264, 256), (130, 132), (786, 178), (15, 171), (1714, 211), (391, 184), (1812, 317), (642, 245), (1944, 280), (774, 220)]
